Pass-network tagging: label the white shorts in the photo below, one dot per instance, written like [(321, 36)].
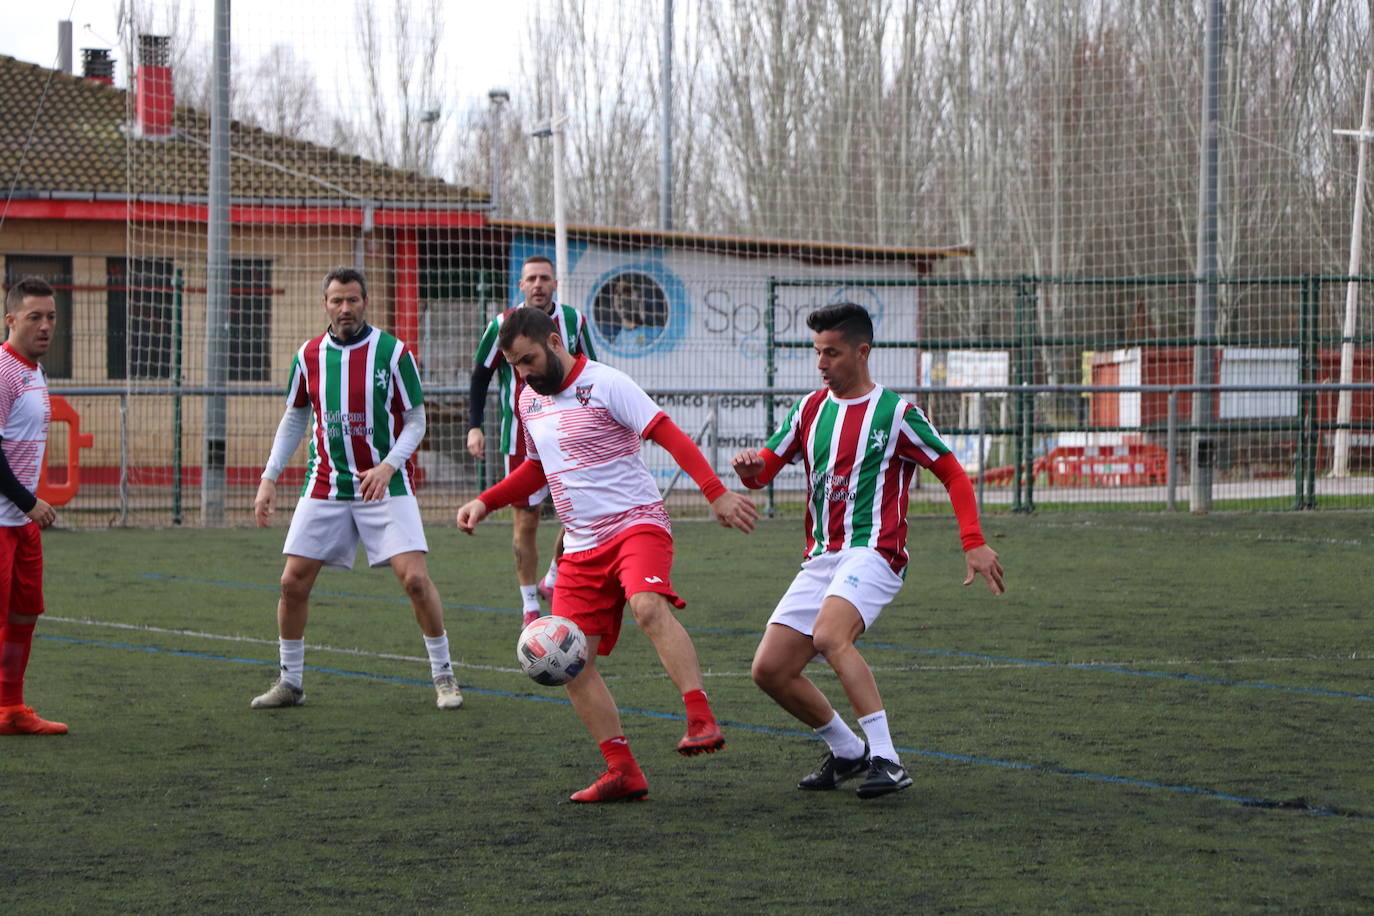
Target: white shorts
[(330, 529), (859, 575)]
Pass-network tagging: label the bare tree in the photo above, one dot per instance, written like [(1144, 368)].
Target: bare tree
[(404, 107), (281, 96)]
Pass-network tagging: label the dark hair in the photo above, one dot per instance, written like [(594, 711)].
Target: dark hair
[(850, 319), (23, 288), (538, 259), (345, 275), (526, 322)]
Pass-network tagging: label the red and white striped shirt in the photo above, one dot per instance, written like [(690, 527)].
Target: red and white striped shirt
[(588, 438), (24, 416)]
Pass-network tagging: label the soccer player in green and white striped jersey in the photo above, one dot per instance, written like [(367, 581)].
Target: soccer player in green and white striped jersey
[(860, 444), (538, 282), (358, 389)]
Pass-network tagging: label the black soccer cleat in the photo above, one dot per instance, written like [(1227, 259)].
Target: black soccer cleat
[(835, 770), (883, 777)]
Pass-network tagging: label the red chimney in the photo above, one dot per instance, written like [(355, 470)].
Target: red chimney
[(153, 98), (97, 66)]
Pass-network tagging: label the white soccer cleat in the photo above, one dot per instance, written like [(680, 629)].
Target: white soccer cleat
[(278, 695), (448, 696)]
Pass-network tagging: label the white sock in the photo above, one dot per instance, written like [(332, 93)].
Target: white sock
[(292, 653), (879, 741), (841, 738), (439, 663), (551, 576), (529, 597)]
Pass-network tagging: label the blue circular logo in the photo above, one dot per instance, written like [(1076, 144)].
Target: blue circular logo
[(637, 309)]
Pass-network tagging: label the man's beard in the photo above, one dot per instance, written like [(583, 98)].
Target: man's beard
[(551, 379)]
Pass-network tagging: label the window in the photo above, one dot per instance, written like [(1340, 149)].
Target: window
[(58, 272), (250, 319), (143, 339)]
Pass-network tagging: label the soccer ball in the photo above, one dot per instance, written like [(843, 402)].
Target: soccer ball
[(552, 650)]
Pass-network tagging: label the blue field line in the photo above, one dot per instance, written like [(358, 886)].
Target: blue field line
[(1247, 801), (947, 653)]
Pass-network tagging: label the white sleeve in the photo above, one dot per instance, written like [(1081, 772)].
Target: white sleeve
[(294, 422), (412, 431), (629, 404)]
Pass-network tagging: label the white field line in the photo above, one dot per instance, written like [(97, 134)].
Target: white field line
[(819, 668)]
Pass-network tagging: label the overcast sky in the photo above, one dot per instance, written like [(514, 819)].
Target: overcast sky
[(482, 35)]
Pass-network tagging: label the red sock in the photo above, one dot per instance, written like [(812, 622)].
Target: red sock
[(617, 753), (698, 709), (15, 643)]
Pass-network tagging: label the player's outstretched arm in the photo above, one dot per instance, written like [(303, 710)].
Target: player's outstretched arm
[(733, 510), (982, 561), (747, 463), (469, 514), (265, 502)]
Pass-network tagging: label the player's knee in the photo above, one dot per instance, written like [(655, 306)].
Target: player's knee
[(650, 610), (830, 644), (416, 584), (295, 586), (764, 674)]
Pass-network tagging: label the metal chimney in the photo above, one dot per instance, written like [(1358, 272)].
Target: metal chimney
[(97, 65)]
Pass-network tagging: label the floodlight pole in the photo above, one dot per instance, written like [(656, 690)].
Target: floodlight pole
[(1340, 453), (665, 153), (214, 452), (560, 219), (1203, 451)]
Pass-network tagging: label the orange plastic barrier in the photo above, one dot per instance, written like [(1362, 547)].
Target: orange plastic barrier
[(1106, 465), (59, 494), (1135, 465)]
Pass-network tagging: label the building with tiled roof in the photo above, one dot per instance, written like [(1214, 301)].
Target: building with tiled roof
[(103, 191)]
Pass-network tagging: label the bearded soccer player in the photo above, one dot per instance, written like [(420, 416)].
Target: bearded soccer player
[(584, 423), (860, 444), (361, 389), (30, 314), (538, 283)]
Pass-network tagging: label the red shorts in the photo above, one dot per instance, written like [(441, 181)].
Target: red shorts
[(539, 495), (593, 585), (21, 570)]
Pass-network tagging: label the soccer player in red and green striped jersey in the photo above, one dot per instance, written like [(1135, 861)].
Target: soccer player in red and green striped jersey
[(358, 389), (860, 444), (538, 282)]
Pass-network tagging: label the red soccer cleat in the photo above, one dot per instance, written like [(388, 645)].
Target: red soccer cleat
[(703, 737), (529, 618), (615, 785), (21, 720), (545, 590)]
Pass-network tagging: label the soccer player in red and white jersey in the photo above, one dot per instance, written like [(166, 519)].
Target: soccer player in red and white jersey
[(30, 314), (538, 282), (358, 389), (584, 423), (860, 444)]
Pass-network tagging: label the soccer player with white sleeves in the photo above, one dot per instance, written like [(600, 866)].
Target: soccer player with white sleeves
[(860, 444), (361, 389), (25, 411), (584, 423)]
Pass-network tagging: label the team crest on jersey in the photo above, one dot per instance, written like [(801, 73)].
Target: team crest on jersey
[(878, 440), (535, 405), (584, 394), (383, 377)]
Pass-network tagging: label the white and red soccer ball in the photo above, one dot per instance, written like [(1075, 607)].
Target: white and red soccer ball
[(552, 650)]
